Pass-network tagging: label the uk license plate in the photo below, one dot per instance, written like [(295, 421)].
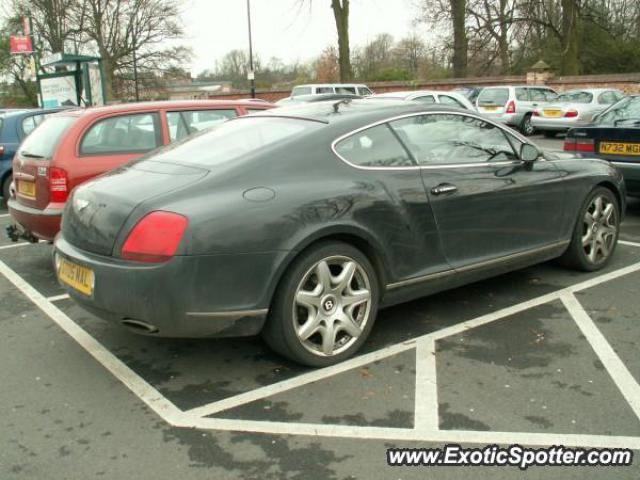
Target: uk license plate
[(76, 276), (27, 188), (552, 113), (490, 108), (620, 148)]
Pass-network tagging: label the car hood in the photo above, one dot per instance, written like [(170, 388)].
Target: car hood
[(98, 209)]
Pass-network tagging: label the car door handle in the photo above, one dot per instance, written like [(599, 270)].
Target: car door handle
[(444, 188)]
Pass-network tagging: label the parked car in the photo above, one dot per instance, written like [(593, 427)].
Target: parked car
[(236, 233), (514, 105), (614, 136), (452, 99), (573, 109), (72, 147), (318, 88), (471, 93), (320, 97), (15, 125)]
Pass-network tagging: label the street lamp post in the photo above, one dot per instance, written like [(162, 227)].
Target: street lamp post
[(251, 75)]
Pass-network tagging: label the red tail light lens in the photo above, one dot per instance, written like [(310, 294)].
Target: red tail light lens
[(155, 238), (58, 185), (569, 144), (1, 150), (511, 107), (536, 113), (571, 114), (584, 145)]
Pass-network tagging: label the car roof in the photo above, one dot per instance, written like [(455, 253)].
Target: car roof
[(331, 85), (353, 109), (164, 104)]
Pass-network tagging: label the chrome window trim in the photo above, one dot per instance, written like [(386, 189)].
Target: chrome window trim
[(504, 129)]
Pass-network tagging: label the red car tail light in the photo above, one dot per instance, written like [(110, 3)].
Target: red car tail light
[(536, 113), (155, 238), (58, 185), (1, 150), (511, 107), (584, 145), (569, 144), (571, 114)]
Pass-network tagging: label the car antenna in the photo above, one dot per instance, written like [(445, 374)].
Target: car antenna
[(336, 106)]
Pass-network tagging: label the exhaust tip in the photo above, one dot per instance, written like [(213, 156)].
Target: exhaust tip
[(139, 326)]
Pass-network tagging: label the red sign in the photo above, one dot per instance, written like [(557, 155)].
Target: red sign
[(20, 44)]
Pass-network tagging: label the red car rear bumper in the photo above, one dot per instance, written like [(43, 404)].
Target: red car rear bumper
[(44, 224)]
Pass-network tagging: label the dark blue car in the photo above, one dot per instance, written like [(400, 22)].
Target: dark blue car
[(15, 125), (614, 136)]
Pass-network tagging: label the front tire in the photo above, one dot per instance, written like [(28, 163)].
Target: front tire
[(324, 307), (595, 235)]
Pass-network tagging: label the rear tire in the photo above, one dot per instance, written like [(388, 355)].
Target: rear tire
[(5, 188), (595, 234), (325, 306), (526, 127)]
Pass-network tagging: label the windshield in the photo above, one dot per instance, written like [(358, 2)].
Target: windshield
[(575, 97), (42, 142), (301, 91), (626, 110), (233, 139), (493, 96)]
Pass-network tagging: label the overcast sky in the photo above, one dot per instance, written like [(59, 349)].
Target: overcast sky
[(280, 29)]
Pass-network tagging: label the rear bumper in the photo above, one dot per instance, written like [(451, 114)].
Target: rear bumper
[(188, 296), (44, 224), (631, 173), (556, 125)]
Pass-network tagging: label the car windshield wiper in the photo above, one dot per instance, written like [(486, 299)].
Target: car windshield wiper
[(30, 155)]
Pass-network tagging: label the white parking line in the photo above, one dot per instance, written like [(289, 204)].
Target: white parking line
[(3, 215), (630, 244), (57, 298), (14, 245), (426, 391), (149, 395), (611, 361)]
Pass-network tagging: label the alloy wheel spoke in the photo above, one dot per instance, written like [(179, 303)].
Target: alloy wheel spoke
[(349, 325), (604, 248), (356, 297), (328, 333), (594, 250), (310, 327), (324, 275), (346, 276), (597, 213), (608, 211), (310, 299), (587, 238)]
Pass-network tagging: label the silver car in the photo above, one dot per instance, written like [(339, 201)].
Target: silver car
[(574, 108), (514, 105), (452, 99)]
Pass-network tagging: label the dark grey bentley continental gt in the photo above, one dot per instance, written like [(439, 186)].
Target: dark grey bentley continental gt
[(300, 223)]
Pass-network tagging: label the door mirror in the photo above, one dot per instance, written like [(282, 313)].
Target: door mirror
[(529, 153)]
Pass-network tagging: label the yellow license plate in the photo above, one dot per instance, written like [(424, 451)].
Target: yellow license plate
[(27, 188), (76, 276), (552, 113), (490, 109), (619, 148)]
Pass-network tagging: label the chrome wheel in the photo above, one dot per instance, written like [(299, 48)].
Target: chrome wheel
[(600, 229), (332, 306)]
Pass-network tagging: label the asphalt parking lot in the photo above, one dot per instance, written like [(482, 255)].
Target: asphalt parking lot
[(543, 356)]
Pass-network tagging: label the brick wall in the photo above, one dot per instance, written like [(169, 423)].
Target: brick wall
[(628, 83)]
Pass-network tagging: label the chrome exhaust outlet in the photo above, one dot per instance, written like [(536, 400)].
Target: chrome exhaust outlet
[(139, 326)]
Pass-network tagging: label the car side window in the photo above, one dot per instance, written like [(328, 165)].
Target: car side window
[(31, 122), (607, 98), (446, 139), (347, 90), (135, 133), (325, 90), (537, 95), (522, 94), (426, 99), (374, 147), (447, 100), (365, 91), (184, 123)]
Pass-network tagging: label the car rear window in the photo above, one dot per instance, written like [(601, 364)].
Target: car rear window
[(301, 91), (576, 97), (622, 113), (235, 138), (493, 96), (44, 139)]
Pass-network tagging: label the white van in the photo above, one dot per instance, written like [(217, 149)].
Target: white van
[(319, 88)]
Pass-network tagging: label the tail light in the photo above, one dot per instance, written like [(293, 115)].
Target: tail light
[(58, 185), (571, 114), (536, 113), (511, 107), (155, 238), (572, 144), (1, 150)]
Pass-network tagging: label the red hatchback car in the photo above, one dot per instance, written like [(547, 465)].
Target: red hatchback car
[(74, 146)]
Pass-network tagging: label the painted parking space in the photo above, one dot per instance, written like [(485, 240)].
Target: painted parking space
[(502, 360)]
